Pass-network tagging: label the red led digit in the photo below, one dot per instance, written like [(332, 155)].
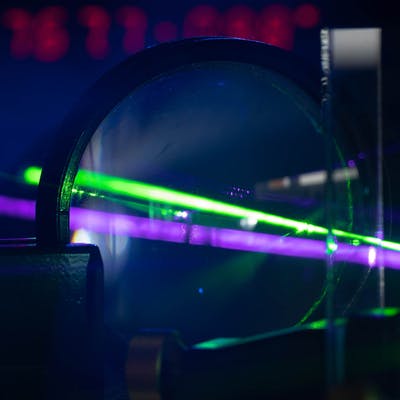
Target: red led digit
[(202, 20), (19, 22), (239, 22), (134, 21), (165, 31), (275, 26), (98, 22), (51, 40), (306, 16)]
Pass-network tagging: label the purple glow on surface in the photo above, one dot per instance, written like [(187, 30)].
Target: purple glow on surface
[(255, 241), (17, 208), (121, 224), (372, 256), (351, 164), (180, 232)]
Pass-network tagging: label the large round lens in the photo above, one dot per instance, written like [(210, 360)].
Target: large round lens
[(199, 188)]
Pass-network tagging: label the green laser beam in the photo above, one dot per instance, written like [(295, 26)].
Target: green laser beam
[(145, 191)]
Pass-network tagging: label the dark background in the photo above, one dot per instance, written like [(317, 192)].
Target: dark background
[(37, 93)]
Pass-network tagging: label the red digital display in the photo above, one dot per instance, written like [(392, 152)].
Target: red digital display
[(51, 38), (44, 35), (20, 23), (240, 21), (202, 20), (98, 22), (134, 20), (275, 26), (306, 16), (165, 31)]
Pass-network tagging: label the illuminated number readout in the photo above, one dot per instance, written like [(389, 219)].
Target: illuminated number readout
[(98, 23), (44, 35), (134, 21)]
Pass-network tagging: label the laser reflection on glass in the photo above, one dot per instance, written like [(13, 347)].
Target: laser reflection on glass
[(139, 190), (181, 232)]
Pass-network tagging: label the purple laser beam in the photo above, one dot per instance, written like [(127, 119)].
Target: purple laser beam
[(180, 232)]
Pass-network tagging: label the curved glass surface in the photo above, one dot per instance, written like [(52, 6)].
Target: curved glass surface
[(205, 191)]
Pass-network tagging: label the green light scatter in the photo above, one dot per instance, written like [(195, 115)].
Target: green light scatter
[(217, 343), (145, 191), (385, 312), (331, 245), (321, 324), (32, 175)]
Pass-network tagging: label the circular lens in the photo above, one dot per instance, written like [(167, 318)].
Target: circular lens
[(190, 186)]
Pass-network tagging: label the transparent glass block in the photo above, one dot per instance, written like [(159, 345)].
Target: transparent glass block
[(357, 212)]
